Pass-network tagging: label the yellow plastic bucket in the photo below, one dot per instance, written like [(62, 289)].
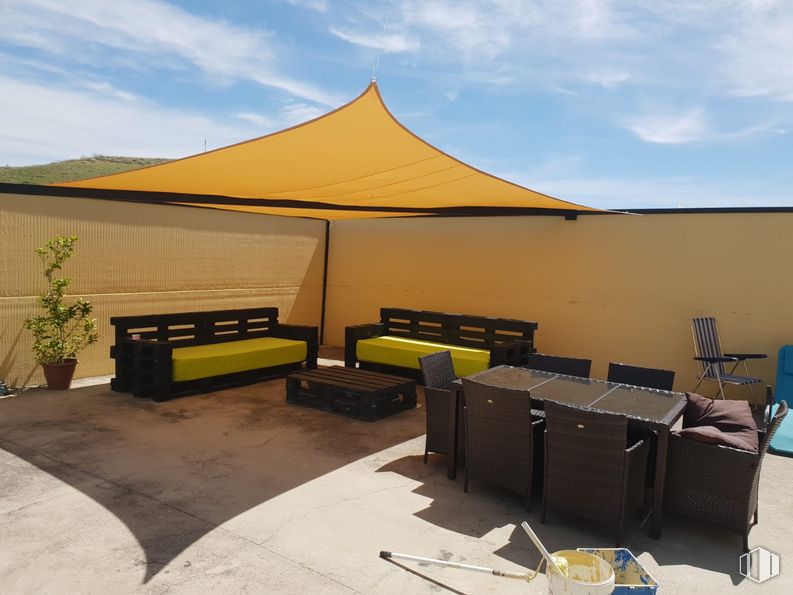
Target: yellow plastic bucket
[(586, 575)]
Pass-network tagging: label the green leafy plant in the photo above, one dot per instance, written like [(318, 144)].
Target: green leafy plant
[(63, 328)]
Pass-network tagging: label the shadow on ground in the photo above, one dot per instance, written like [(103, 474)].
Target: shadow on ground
[(489, 508), (172, 472)]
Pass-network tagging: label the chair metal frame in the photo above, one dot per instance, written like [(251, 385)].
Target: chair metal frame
[(711, 358)]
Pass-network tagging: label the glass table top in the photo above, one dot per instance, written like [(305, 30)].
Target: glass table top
[(635, 401), (632, 401), (510, 377), (573, 390)]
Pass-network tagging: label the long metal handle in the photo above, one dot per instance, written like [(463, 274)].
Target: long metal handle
[(548, 557), (433, 561)]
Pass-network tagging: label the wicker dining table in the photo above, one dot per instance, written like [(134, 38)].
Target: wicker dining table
[(647, 408)]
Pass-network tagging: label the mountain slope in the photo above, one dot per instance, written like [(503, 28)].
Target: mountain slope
[(73, 169)]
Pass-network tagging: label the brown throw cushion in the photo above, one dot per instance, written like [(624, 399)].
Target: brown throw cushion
[(712, 435), (720, 422)]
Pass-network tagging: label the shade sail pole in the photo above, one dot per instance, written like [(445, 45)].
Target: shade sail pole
[(324, 284)]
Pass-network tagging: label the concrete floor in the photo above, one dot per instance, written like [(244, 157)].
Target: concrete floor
[(236, 491)]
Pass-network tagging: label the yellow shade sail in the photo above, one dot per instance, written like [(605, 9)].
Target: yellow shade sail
[(357, 161)]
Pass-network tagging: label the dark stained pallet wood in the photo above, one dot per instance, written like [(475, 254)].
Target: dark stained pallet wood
[(509, 341), (144, 364), (360, 394)]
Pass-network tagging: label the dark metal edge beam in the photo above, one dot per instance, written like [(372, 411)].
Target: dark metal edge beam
[(209, 199), (471, 211), (707, 210)]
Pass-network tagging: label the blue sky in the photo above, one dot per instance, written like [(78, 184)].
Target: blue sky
[(613, 104)]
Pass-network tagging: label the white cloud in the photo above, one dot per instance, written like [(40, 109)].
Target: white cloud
[(485, 30), (654, 192), (297, 113), (108, 89), (759, 129), (40, 123), (593, 19), (464, 26), (720, 48), (390, 43), (257, 119), (747, 42), (560, 90), (693, 126), (537, 43), (758, 53), (670, 128), (318, 5), (151, 34), (608, 80)]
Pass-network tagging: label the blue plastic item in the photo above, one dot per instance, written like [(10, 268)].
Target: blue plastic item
[(630, 577), (784, 375), (782, 443)]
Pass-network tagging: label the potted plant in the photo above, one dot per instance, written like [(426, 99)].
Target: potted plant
[(63, 328)]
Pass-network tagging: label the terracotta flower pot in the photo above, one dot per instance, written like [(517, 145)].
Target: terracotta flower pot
[(59, 376)]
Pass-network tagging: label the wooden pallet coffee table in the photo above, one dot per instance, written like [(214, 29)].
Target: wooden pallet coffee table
[(349, 391)]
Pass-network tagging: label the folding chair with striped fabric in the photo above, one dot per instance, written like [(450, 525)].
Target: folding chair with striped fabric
[(711, 358)]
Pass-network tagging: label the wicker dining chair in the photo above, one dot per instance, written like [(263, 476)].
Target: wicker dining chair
[(437, 370), (639, 376), (717, 484), (501, 436), (590, 469), (571, 366)]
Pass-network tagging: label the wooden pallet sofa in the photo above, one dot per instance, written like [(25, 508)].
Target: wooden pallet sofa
[(394, 344), (163, 356)]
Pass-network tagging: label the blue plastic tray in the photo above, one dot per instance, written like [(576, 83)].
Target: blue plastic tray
[(630, 577)]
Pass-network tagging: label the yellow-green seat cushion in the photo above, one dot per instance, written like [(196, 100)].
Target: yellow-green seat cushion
[(205, 361), (397, 351)]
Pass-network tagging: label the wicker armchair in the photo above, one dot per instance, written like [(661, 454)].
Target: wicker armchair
[(717, 484), (590, 470), (437, 370), (500, 437)]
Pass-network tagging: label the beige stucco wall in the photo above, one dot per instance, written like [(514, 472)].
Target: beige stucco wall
[(140, 259), (611, 288)]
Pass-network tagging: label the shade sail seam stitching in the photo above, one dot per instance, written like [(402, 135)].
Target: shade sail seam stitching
[(371, 189), (377, 173), (406, 193), (374, 207)]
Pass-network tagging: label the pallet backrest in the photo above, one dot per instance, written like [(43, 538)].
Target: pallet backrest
[(454, 329), (198, 328)]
